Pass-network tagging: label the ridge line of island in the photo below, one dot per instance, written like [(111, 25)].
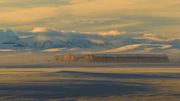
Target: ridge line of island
[(112, 58)]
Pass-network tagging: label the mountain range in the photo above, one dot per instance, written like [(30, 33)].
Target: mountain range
[(52, 40)]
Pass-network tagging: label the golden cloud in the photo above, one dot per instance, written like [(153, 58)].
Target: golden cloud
[(26, 15)]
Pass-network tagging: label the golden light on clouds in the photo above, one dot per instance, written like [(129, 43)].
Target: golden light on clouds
[(97, 15), (27, 15)]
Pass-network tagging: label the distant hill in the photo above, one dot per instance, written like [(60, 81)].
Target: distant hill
[(141, 48)]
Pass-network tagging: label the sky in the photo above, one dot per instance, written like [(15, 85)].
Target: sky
[(133, 16)]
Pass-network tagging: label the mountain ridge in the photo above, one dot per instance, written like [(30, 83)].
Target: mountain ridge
[(43, 39)]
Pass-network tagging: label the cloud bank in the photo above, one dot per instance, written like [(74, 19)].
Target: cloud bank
[(160, 16)]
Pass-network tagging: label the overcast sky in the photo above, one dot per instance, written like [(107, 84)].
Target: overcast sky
[(155, 16)]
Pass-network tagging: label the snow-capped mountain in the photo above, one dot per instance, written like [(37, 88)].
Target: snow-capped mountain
[(43, 39), (142, 48), (49, 40), (8, 36)]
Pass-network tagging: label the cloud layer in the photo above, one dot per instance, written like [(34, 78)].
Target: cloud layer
[(157, 16)]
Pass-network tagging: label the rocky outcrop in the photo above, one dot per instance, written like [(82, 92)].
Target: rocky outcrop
[(116, 58)]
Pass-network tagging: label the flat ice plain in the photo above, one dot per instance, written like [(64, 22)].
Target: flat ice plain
[(90, 82)]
